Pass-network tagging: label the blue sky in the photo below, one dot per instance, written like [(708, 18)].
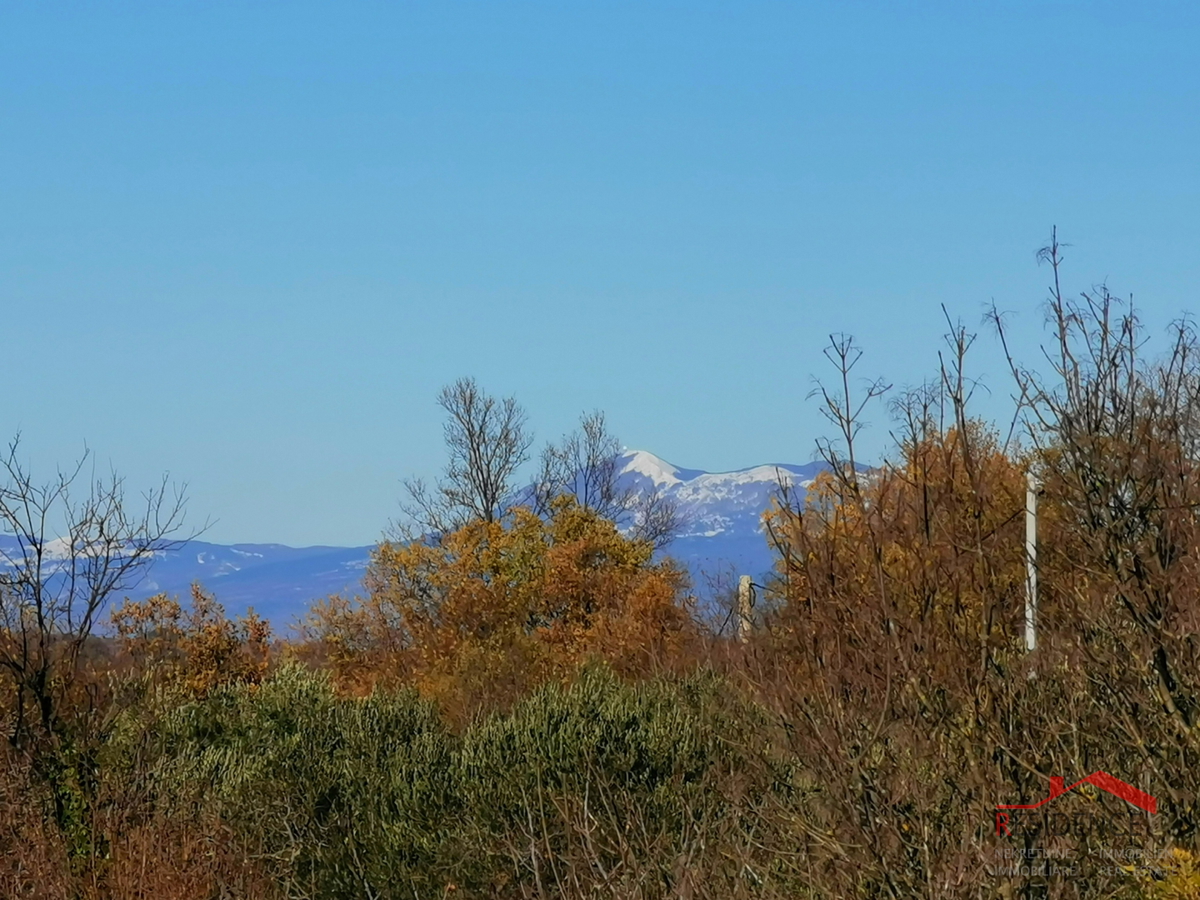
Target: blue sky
[(246, 243)]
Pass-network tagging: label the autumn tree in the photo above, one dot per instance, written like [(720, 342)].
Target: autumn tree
[(896, 658), (1117, 435), (497, 607), (195, 648), (74, 542)]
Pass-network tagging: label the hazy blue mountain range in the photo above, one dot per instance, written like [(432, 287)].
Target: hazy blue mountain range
[(278, 581), (721, 533)]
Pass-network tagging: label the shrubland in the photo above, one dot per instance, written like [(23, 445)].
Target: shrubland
[(524, 703)]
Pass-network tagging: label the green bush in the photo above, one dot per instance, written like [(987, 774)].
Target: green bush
[(596, 773), (347, 798)]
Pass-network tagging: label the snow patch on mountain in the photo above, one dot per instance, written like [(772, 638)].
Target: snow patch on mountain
[(660, 472)]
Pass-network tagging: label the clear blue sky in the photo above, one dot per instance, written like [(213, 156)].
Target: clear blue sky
[(246, 243)]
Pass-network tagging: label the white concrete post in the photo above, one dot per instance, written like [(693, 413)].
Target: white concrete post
[(1031, 598), (744, 608)]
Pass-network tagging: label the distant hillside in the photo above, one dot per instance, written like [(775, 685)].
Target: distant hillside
[(722, 532), (277, 581)]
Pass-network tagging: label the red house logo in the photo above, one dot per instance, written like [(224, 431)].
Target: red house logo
[(1101, 780)]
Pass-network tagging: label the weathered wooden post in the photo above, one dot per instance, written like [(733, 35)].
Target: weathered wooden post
[(744, 608)]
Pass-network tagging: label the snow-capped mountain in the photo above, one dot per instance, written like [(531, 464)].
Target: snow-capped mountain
[(721, 511), (722, 534)]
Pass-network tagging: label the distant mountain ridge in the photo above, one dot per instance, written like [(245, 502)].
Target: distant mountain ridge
[(722, 532), (721, 511), (278, 581)]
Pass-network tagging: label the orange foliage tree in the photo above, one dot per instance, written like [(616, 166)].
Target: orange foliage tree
[(495, 608), (198, 648), (935, 536)]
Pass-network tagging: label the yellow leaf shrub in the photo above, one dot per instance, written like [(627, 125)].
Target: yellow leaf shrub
[(196, 649), (496, 608)]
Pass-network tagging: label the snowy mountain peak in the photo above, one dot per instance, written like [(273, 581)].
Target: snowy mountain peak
[(720, 512), (665, 476), (646, 464), (714, 503)]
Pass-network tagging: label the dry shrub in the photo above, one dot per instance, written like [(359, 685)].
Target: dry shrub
[(897, 660), (180, 860), (34, 861), (129, 850), (195, 649)]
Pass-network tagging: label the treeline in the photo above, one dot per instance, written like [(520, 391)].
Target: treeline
[(524, 702)]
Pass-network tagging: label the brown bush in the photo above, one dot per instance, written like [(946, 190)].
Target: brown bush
[(896, 656), (195, 649)]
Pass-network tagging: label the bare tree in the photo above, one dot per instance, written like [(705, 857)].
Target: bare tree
[(66, 558), (488, 441), (655, 517), (1114, 439), (586, 464), (843, 410)]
